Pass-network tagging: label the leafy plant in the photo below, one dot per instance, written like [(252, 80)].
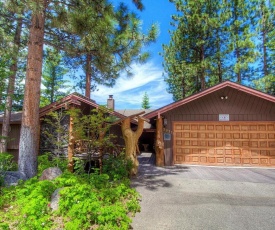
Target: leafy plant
[(91, 135), (48, 160), (6, 164), (55, 132), (117, 167)]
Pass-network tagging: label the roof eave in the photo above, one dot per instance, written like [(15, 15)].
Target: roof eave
[(208, 91)]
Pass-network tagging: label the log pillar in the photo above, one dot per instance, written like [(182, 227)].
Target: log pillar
[(159, 145), (71, 146), (131, 139)]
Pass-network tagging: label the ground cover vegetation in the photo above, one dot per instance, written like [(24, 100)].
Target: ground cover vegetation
[(213, 41), (87, 201)]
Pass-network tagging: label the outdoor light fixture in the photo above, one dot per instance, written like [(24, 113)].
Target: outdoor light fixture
[(165, 122), (224, 97)]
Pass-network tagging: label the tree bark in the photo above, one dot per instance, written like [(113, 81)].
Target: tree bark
[(29, 136), (88, 76), (159, 146), (11, 84), (131, 140)]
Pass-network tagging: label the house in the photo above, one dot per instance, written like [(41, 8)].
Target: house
[(74, 100), (227, 124)]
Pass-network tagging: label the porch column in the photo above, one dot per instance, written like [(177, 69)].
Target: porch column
[(159, 146), (71, 146)]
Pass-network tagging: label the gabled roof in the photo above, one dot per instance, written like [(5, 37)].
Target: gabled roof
[(210, 90), (73, 99), (129, 112)]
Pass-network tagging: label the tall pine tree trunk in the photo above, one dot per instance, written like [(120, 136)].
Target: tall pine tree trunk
[(237, 49), (265, 69), (11, 84), (202, 69), (88, 76), (53, 84), (29, 136)]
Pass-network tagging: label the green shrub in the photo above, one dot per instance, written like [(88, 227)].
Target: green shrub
[(48, 160), (117, 167), (6, 164)]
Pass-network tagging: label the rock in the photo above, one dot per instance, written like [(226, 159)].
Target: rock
[(50, 173), (55, 199), (12, 177)]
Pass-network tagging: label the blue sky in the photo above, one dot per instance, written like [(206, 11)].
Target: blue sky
[(148, 77)]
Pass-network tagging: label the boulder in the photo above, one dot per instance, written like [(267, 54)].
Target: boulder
[(55, 199), (12, 177), (50, 173)]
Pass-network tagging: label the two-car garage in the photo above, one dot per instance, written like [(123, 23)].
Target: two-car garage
[(224, 143), (227, 124)]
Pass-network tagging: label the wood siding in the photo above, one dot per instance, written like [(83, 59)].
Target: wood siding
[(240, 106), (13, 142)]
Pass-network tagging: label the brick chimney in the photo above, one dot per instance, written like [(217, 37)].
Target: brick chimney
[(111, 102)]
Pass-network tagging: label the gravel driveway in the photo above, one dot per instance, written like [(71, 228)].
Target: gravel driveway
[(201, 197)]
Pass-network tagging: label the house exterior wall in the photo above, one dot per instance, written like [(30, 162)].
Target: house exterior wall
[(239, 105), (13, 142), (116, 130)]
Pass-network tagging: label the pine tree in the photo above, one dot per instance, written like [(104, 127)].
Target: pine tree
[(145, 101), (54, 85), (241, 42), (192, 52), (29, 135), (16, 12), (264, 23), (106, 44)]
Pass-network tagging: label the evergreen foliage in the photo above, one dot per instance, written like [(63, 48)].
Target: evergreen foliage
[(54, 86), (145, 101), (215, 41)]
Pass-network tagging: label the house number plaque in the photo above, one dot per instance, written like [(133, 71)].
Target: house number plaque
[(223, 117)]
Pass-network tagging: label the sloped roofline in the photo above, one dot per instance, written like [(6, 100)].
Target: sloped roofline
[(207, 91), (72, 99)]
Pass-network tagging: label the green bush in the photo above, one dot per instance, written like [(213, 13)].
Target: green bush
[(6, 164), (48, 160), (117, 167)]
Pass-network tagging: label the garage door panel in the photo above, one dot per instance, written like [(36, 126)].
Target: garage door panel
[(230, 143)]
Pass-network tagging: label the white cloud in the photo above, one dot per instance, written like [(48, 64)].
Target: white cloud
[(128, 92)]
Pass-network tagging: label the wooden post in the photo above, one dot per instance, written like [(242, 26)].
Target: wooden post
[(131, 139), (159, 145), (71, 146)]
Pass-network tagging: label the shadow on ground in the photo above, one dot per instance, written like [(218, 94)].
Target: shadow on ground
[(151, 177), (148, 173)]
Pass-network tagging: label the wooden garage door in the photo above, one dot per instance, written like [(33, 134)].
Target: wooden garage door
[(224, 143)]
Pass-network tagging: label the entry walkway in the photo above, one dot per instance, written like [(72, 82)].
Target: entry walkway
[(201, 197)]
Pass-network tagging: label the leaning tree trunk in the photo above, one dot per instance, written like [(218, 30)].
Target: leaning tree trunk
[(131, 140), (29, 136), (10, 91)]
